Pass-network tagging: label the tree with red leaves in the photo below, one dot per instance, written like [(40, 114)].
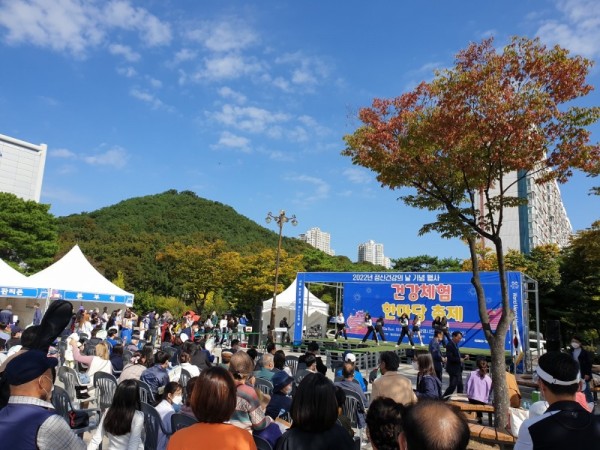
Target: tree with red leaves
[(453, 140)]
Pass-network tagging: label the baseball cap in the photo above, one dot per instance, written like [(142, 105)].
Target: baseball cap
[(350, 357), (28, 366)]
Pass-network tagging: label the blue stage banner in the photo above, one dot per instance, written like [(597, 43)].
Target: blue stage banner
[(426, 295)]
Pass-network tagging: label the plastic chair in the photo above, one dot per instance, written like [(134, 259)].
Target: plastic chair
[(265, 386), (292, 362), (69, 379), (105, 385), (62, 404), (184, 378), (152, 425), (179, 421), (146, 395), (352, 406), (261, 444)]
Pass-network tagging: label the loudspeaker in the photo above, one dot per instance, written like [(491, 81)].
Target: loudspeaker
[(254, 338), (553, 341)]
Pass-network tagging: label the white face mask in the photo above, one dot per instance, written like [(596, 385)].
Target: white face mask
[(177, 400), (575, 344)]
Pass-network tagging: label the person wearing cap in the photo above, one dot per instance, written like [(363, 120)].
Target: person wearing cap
[(29, 421), (565, 424), (281, 401), (351, 358)]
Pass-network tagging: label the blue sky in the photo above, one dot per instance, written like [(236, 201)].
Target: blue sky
[(246, 102)]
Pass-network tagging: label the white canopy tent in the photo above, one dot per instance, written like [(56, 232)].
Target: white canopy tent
[(74, 279), (285, 306), (12, 283)]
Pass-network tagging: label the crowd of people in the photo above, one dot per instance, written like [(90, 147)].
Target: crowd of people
[(304, 408)]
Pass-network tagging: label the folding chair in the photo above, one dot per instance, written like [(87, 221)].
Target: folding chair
[(105, 385), (261, 444), (152, 425), (146, 395), (62, 404), (70, 380), (292, 362)]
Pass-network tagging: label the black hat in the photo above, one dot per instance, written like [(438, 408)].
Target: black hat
[(280, 380), (28, 366)]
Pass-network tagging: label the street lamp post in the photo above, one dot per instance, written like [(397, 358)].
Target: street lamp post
[(280, 220)]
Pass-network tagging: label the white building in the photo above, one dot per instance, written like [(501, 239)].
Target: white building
[(318, 239), (22, 167), (543, 220), (372, 252)]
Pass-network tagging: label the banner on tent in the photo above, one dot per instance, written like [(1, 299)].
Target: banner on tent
[(426, 295), (65, 295)]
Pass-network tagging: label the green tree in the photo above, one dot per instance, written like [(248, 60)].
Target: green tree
[(28, 233), (454, 139), (426, 263), (200, 270)]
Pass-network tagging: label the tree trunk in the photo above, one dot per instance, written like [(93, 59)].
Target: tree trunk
[(495, 338)]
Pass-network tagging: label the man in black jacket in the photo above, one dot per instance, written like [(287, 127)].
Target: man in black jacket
[(565, 424), (454, 364), (312, 349), (584, 359)]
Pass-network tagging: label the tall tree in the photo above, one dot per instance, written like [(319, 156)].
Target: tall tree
[(454, 139), (426, 263), (28, 236), (200, 270)]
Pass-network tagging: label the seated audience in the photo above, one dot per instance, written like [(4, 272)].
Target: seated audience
[(391, 383), (213, 402), (313, 349), (157, 376), (351, 358), (123, 422), (172, 400), (134, 368), (343, 419), (314, 418), (310, 366), (98, 363), (267, 365), (116, 360), (189, 389), (433, 425), (185, 364), (565, 424), (280, 402), (384, 423), (349, 384)]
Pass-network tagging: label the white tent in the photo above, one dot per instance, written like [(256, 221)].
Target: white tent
[(12, 284), (73, 278), (318, 310)]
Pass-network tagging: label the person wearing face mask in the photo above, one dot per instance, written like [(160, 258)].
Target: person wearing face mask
[(172, 401), (280, 402), (29, 421), (584, 359)]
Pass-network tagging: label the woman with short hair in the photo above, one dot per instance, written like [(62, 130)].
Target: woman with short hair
[(213, 401)]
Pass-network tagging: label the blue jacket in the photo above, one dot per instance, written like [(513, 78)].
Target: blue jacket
[(357, 376), (156, 377), (429, 387), (278, 405)]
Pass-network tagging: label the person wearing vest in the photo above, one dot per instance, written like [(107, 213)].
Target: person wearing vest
[(565, 424), (29, 421)]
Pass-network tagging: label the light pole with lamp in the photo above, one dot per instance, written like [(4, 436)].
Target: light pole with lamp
[(280, 219)]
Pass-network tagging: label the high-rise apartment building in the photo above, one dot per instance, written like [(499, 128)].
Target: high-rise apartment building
[(372, 252), (543, 220), (318, 239), (22, 167)]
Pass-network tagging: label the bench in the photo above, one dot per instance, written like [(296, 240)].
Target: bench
[(491, 435), (471, 407)]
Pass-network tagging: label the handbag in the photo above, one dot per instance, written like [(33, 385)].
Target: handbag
[(516, 417), (81, 392), (78, 419)]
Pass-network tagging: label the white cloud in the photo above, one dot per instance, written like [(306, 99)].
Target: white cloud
[(578, 29), (227, 92), (320, 190), (157, 84), (149, 98), (306, 72), (76, 26), (226, 67), (62, 153), (357, 176), (224, 36), (185, 54), (115, 157), (124, 51), (248, 118), (128, 72), (231, 140)]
